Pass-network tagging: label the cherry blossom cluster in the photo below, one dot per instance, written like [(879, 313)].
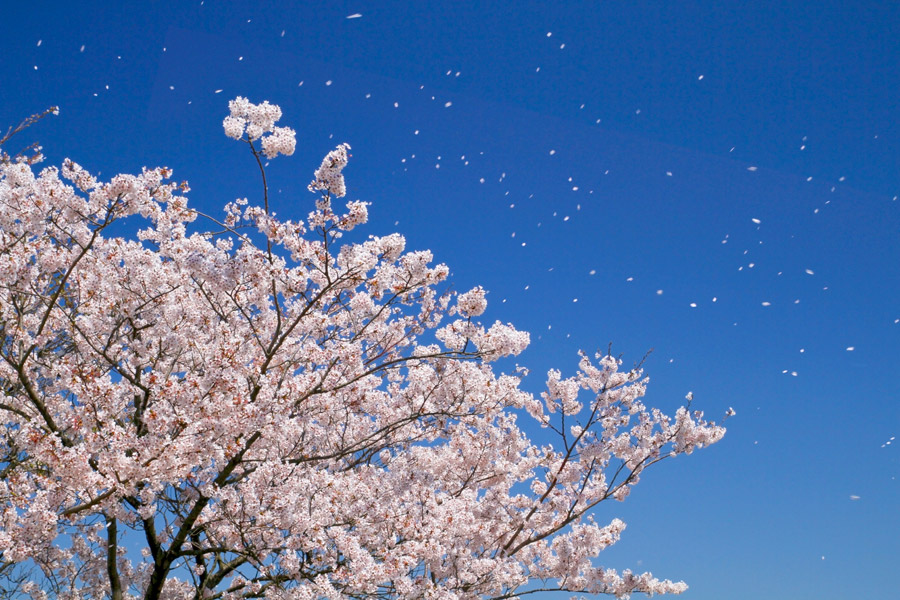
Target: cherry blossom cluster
[(473, 303), (281, 415), (328, 176), (257, 120)]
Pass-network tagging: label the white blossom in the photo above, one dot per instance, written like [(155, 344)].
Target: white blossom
[(257, 120), (328, 176), (318, 405), (473, 303)]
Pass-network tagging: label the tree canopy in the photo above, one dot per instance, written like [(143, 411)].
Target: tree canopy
[(244, 406)]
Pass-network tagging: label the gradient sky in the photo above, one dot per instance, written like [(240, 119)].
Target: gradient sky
[(715, 181)]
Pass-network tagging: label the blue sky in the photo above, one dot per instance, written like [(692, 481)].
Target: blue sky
[(630, 151)]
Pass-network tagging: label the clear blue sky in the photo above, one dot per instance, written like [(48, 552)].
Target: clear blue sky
[(603, 163)]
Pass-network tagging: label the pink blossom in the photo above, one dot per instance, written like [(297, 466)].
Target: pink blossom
[(257, 120), (328, 176), (473, 303), (286, 414)]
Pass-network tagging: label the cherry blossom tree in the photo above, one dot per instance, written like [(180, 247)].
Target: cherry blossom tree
[(247, 406)]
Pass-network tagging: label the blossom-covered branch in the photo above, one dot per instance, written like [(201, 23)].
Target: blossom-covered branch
[(297, 418)]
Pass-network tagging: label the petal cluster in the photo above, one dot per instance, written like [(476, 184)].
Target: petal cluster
[(328, 176), (258, 122)]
